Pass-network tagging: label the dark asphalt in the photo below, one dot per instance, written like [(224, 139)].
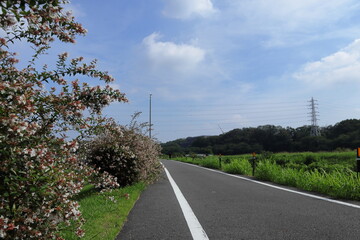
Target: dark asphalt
[(231, 208), (156, 215)]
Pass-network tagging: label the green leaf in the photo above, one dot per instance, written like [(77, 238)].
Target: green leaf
[(32, 3), (23, 5)]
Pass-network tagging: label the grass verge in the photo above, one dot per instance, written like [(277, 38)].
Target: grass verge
[(104, 217), (335, 184), (314, 172)]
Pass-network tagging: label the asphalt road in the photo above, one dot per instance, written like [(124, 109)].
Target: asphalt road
[(232, 208)]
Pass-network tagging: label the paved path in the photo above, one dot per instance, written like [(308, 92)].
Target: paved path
[(232, 208)]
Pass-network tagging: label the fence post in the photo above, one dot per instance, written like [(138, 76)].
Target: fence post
[(220, 161), (253, 163)]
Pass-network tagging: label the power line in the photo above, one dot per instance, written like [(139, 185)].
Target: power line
[(215, 113), (227, 120)]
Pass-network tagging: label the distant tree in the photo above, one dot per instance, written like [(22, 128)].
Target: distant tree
[(172, 148), (345, 127), (201, 142), (345, 134)]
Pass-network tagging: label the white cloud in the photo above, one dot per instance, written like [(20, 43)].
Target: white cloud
[(284, 22), (292, 14), (169, 56), (185, 9), (342, 66)]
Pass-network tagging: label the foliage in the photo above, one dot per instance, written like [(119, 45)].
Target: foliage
[(328, 161), (269, 138), (209, 162), (105, 213), (106, 154), (39, 170), (238, 166), (336, 184), (330, 173), (125, 152)]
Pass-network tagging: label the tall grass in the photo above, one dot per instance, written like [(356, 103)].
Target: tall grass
[(238, 166), (208, 162), (335, 184), (329, 173), (344, 159)]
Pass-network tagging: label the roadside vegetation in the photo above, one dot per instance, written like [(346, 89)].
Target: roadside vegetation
[(329, 173), (61, 162), (104, 213)]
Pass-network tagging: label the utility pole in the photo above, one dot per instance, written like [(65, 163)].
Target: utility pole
[(314, 114), (150, 117)]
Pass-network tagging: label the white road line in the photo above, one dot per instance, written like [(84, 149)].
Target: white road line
[(193, 223), (280, 188)]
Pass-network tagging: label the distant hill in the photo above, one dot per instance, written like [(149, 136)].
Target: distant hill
[(345, 134)]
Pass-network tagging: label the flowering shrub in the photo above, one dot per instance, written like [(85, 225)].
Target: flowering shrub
[(39, 169), (125, 152), (146, 150), (114, 159)]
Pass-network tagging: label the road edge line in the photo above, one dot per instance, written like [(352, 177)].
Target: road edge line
[(193, 223), (277, 187)]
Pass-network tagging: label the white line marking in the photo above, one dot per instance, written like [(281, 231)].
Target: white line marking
[(280, 188), (193, 223)]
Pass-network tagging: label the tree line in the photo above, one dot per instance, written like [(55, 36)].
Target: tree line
[(342, 135)]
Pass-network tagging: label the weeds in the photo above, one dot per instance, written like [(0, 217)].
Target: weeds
[(238, 166), (329, 173)]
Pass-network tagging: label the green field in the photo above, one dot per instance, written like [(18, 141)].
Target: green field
[(330, 173)]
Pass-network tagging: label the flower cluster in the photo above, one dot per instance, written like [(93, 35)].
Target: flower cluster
[(123, 151), (40, 170), (39, 21)]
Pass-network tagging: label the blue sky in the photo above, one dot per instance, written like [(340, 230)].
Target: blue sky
[(216, 65)]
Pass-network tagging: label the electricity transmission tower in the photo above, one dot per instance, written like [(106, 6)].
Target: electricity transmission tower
[(315, 131)]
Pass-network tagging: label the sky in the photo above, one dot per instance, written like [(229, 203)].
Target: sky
[(215, 65)]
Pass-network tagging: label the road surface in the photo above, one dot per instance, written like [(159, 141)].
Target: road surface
[(227, 207)]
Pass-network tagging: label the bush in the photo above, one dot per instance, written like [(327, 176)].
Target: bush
[(116, 161), (39, 171), (125, 152)]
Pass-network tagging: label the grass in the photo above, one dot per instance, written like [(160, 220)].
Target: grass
[(104, 218), (335, 184), (208, 162), (240, 166), (330, 173)]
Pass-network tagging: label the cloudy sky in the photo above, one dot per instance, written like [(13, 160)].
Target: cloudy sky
[(215, 65)]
